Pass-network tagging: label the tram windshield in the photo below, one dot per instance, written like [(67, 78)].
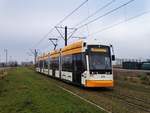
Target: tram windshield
[(99, 61)]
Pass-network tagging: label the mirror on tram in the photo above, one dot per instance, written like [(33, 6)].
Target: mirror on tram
[(113, 57)]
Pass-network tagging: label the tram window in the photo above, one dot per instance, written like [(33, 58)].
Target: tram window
[(50, 63), (41, 64), (67, 63), (84, 62), (79, 63), (45, 64), (54, 63), (57, 63), (37, 64), (99, 61)]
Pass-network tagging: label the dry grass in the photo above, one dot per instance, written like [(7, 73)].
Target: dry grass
[(132, 76), (3, 73)]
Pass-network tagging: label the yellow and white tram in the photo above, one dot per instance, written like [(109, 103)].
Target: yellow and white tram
[(84, 63)]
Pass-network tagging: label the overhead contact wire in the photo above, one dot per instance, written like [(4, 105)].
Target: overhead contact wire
[(107, 13), (66, 17)]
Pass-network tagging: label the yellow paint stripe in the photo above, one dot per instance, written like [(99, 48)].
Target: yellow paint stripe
[(54, 55)]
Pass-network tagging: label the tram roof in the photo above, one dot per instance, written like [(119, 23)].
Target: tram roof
[(73, 46)]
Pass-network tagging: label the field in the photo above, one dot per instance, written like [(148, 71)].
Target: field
[(133, 76), (24, 91)]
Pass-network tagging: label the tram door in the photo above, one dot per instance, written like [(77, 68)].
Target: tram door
[(77, 71)]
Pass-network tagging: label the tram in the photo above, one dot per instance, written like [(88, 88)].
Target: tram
[(84, 63)]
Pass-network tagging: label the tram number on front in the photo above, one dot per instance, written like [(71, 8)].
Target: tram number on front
[(103, 76)]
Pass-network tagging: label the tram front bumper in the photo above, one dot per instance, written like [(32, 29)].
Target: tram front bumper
[(99, 83)]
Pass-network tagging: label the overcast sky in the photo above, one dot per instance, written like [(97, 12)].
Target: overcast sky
[(24, 22)]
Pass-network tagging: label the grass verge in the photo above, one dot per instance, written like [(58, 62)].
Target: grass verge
[(24, 91)]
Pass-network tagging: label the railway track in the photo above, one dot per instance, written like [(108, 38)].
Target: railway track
[(137, 104), (138, 99), (129, 102), (133, 101)]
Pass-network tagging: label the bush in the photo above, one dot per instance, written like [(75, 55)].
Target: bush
[(145, 79)]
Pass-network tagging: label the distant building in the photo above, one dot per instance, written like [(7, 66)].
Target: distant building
[(12, 64), (148, 60), (2, 64), (9, 64), (131, 63), (27, 63)]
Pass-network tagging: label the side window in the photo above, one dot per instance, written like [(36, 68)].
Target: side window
[(46, 64), (54, 63), (37, 64), (63, 63), (57, 63), (51, 63), (67, 63), (79, 60), (80, 64), (84, 61), (41, 64)]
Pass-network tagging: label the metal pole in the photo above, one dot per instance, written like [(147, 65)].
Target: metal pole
[(66, 38), (6, 55), (35, 55)]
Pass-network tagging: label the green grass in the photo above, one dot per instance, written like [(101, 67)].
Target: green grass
[(24, 91)]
